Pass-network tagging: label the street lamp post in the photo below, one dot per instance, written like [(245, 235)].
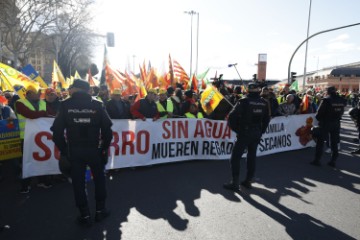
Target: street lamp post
[(306, 47), (191, 13), (197, 43), (315, 34)]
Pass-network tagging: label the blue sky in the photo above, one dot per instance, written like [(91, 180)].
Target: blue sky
[(230, 31)]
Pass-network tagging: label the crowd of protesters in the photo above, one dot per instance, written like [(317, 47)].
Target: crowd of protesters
[(173, 102)]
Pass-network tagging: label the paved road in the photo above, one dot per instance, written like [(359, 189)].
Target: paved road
[(290, 200)]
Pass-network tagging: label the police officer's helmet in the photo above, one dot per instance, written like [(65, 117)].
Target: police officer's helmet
[(315, 132)]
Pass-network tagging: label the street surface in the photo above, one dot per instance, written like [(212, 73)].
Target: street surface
[(291, 199)]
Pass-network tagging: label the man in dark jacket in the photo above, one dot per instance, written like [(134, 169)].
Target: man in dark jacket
[(356, 118), (329, 114), (249, 119), (88, 137), (116, 107)]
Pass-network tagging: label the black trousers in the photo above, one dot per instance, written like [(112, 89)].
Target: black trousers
[(244, 142), (81, 157), (332, 129)]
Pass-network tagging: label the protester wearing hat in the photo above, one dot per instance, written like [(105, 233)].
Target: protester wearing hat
[(164, 105), (249, 120), (116, 107), (52, 100), (329, 114), (89, 134), (31, 107), (146, 107)]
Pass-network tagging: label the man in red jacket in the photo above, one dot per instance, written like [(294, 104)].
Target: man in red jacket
[(146, 107)]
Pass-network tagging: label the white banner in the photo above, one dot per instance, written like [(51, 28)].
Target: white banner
[(139, 143)]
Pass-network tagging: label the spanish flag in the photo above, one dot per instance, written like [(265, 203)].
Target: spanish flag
[(210, 99), (304, 106)]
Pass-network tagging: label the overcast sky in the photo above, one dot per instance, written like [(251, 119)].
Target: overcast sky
[(230, 31)]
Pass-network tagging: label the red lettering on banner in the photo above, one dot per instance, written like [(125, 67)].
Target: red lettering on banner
[(183, 129), (115, 143), (208, 128), (139, 141), (128, 138), (179, 129), (167, 133), (227, 133), (42, 146), (212, 129), (199, 129)]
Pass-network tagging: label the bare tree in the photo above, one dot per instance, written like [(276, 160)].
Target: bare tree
[(26, 24), (74, 37), (22, 22)]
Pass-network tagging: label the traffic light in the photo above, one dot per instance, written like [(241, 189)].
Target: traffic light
[(110, 39), (254, 77), (293, 77)]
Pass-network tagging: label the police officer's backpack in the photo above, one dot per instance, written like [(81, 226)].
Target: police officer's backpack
[(354, 113)]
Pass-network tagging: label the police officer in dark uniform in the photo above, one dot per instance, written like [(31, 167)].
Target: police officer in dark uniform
[(88, 137), (249, 119), (329, 114)]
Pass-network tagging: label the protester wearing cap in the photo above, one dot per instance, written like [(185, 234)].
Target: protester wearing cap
[(249, 120), (88, 137), (146, 107), (329, 114), (31, 107), (117, 107), (164, 105), (52, 100)]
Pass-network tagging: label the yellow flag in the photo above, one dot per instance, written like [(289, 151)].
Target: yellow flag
[(6, 85), (77, 75), (14, 77), (57, 76), (210, 99)]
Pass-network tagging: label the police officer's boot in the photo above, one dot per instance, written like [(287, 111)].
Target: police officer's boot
[(246, 183), (101, 211), (84, 218), (233, 185)]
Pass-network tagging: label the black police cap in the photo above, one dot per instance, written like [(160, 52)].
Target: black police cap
[(81, 84), (331, 89), (253, 87)]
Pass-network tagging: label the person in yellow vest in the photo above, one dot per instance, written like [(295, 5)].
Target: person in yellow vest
[(282, 97), (194, 112), (31, 107), (164, 106)]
